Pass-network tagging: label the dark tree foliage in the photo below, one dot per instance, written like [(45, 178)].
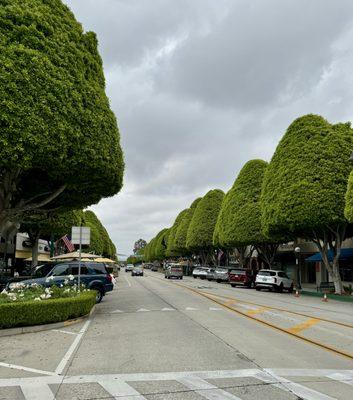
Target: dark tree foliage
[(305, 185), (182, 231), (59, 140), (200, 233)]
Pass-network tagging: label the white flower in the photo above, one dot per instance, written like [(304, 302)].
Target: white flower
[(4, 291), (66, 281), (34, 285), (48, 291), (36, 299), (42, 296), (50, 278), (71, 277)]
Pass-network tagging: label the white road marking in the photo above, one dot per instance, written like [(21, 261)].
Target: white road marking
[(301, 391), (205, 389), (191, 309), (168, 309), (60, 368), (67, 332), (37, 392), (215, 309), (22, 368), (118, 385), (142, 310), (116, 312), (128, 282), (120, 390)]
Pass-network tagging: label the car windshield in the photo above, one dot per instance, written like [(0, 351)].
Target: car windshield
[(43, 270)]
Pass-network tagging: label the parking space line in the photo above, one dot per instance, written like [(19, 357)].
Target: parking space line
[(304, 325), (22, 368), (67, 332), (60, 368)]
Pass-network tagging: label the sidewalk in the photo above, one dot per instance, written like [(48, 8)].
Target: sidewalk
[(310, 289)]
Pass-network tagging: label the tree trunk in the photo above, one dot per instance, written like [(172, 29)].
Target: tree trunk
[(332, 240), (267, 252), (34, 237)]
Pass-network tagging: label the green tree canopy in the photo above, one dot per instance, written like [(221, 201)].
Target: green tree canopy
[(59, 140), (171, 250), (100, 239), (182, 231), (202, 225), (305, 185), (348, 211), (161, 244)]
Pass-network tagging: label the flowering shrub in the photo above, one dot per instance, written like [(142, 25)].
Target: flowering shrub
[(20, 292)]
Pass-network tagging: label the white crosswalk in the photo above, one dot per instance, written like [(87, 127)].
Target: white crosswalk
[(121, 386)]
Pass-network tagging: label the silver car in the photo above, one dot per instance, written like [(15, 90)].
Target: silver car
[(221, 274), (211, 274), (200, 272), (173, 271)]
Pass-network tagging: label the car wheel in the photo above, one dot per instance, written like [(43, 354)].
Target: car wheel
[(280, 288), (195, 277), (290, 290), (99, 295), (257, 288), (209, 280), (218, 281), (233, 285)]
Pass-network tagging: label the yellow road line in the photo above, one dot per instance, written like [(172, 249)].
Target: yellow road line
[(276, 327), (257, 311), (304, 325)]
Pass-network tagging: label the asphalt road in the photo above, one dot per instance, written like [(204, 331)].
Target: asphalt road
[(161, 339)]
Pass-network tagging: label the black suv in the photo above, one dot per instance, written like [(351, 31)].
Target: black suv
[(93, 275)]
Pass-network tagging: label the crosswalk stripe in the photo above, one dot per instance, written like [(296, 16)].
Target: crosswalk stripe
[(191, 309), (37, 392), (142, 310), (120, 390), (205, 389), (168, 309)]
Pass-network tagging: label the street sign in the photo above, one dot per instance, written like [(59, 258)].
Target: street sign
[(80, 232)]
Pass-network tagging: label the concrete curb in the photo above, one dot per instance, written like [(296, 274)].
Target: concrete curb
[(45, 327)]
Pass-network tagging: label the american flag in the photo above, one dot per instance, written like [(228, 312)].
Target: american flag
[(68, 244)]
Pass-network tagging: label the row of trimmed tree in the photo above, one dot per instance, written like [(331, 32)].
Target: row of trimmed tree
[(54, 226), (306, 191)]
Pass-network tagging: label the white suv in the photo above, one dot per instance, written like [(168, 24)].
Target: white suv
[(270, 279)]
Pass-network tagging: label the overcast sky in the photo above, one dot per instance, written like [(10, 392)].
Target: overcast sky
[(199, 87)]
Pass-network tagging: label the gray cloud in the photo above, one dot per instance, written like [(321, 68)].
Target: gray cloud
[(201, 86)]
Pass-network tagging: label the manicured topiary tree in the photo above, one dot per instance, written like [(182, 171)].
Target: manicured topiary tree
[(348, 211), (200, 233), (305, 185), (182, 231), (171, 250), (161, 245), (59, 138), (239, 221)]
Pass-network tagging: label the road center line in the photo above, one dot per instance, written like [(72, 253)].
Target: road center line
[(128, 282), (304, 325), (60, 368)]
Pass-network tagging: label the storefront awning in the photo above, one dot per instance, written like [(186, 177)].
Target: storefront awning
[(345, 255)]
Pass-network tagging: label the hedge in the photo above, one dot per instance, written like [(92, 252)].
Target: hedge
[(46, 311)]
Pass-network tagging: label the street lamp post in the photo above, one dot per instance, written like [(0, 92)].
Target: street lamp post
[(297, 258)]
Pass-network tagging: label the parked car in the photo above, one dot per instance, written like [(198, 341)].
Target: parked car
[(241, 277), (273, 280), (210, 274), (173, 271), (129, 267), (147, 266), (221, 274), (200, 272), (154, 268), (93, 275), (137, 271)]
